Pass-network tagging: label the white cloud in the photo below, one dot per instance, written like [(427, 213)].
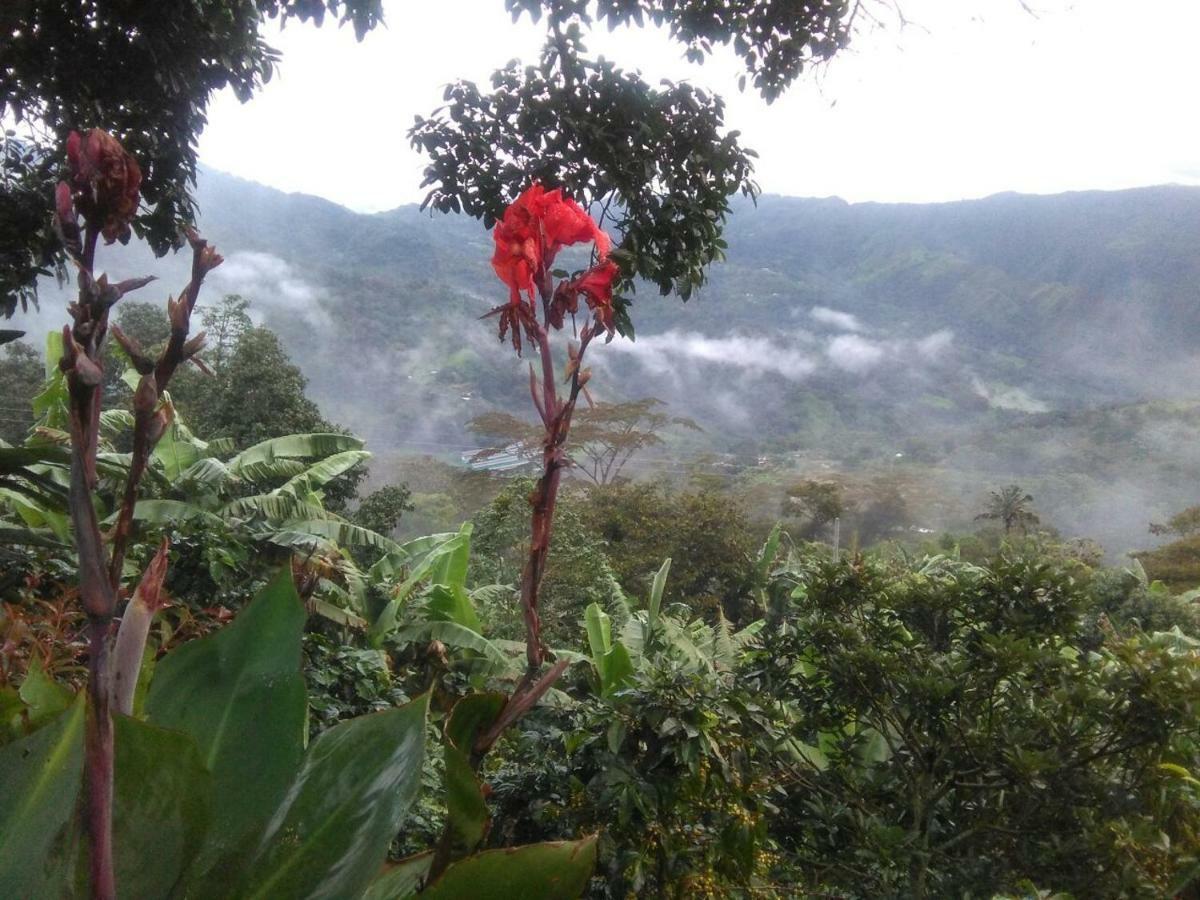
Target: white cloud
[(934, 345), (838, 319), (855, 354), (270, 284), (663, 352)]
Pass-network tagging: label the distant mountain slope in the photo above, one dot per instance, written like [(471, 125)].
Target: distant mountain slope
[(835, 330)]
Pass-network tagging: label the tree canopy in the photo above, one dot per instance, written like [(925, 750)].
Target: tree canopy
[(660, 164)]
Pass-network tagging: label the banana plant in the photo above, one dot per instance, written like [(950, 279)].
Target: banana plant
[(652, 635)]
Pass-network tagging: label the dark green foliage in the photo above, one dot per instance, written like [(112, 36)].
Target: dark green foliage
[(381, 510), (775, 39), (660, 166), (578, 572), (345, 681), (145, 72), (705, 534), (258, 395), (21, 376), (960, 736), (1012, 507), (816, 504), (1176, 564)]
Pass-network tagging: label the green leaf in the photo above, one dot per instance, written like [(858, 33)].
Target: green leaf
[(160, 806), (450, 565), (557, 870), (656, 594), (444, 563), (325, 471), (466, 807), (166, 511), (401, 881), (451, 603), (612, 662), (330, 836), (344, 534), (599, 630), (454, 635), (40, 778), (293, 446), (176, 453), (240, 695), (44, 698), (276, 507)]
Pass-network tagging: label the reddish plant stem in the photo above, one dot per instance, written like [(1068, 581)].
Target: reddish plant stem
[(173, 355), (100, 574), (99, 764)]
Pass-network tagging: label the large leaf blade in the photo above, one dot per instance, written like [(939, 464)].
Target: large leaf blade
[(330, 835), (240, 695), (293, 446), (557, 870), (160, 808), (40, 776)]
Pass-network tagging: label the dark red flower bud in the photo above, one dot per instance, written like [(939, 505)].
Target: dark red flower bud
[(106, 182), (87, 371), (145, 398), (64, 208)]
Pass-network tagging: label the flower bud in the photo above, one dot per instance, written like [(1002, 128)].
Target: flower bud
[(106, 182), (145, 398)]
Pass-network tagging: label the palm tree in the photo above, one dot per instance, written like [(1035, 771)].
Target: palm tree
[(1011, 506)]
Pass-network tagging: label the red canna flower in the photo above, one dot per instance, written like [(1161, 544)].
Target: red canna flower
[(105, 181), (595, 286), (535, 227)]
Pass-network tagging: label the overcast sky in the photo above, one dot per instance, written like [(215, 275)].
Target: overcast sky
[(973, 97)]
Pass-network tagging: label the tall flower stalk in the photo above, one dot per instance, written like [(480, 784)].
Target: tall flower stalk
[(103, 188), (533, 230)]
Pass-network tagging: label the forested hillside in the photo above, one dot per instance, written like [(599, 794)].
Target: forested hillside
[(923, 342)]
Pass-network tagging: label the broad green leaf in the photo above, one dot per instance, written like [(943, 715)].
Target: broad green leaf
[(811, 755), (323, 472), (276, 507), (165, 511), (599, 631), (454, 635), (293, 446), (433, 567), (175, 453), (612, 662), (392, 564), (207, 471), (617, 669), (269, 470), (240, 695), (451, 603), (656, 594), (557, 870), (160, 806), (44, 698), (344, 534), (331, 833), (115, 421), (400, 881), (466, 807), (450, 565), (767, 554), (40, 776)]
